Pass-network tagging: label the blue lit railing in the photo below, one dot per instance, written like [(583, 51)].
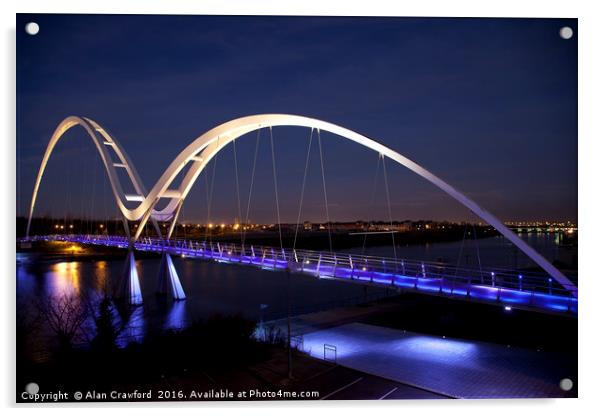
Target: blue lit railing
[(494, 285)]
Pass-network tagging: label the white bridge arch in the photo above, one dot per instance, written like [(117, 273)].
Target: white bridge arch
[(102, 141), (199, 152)]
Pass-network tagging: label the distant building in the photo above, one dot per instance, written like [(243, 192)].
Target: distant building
[(308, 226)]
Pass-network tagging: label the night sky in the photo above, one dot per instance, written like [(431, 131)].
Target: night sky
[(489, 105)]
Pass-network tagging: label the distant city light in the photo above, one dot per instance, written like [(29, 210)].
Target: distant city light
[(507, 308)]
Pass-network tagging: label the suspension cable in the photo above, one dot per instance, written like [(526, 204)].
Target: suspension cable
[(88, 210), (324, 187), (461, 249), (389, 207), (104, 204), (68, 194), (91, 222), (276, 188), (182, 220), (54, 209), (206, 176), (251, 188), (84, 177), (474, 231), (237, 189), (311, 134), (376, 172), (210, 197)]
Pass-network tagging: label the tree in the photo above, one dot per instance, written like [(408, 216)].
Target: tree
[(65, 316)]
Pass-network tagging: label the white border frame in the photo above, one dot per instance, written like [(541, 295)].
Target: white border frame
[(590, 201)]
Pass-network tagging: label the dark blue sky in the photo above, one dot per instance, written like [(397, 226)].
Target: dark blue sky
[(489, 105)]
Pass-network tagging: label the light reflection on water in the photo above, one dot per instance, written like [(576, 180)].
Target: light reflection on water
[(135, 327), (211, 289), (101, 276), (176, 318), (64, 280)]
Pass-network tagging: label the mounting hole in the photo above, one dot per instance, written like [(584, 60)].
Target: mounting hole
[(32, 28), (566, 32), (566, 384), (32, 388)]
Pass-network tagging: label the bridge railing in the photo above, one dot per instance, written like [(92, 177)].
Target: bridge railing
[(488, 284), (420, 275)]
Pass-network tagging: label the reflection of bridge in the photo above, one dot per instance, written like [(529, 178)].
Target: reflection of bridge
[(531, 291), (552, 292)]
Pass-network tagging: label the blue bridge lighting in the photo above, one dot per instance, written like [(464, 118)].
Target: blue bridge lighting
[(532, 291)]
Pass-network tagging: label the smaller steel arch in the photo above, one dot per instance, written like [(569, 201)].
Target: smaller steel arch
[(102, 141)]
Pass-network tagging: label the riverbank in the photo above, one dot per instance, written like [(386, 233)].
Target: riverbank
[(441, 316), (217, 360)]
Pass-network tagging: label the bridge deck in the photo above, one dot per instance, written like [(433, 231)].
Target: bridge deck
[(505, 287)]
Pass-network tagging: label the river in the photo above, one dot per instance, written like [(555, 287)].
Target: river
[(214, 288)]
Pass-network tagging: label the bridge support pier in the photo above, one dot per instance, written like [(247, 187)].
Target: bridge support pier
[(130, 285), (169, 280)]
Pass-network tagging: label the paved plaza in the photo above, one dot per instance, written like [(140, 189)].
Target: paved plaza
[(454, 367)]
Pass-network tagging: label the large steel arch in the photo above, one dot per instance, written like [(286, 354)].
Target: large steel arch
[(206, 146), (102, 141), (197, 155)]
